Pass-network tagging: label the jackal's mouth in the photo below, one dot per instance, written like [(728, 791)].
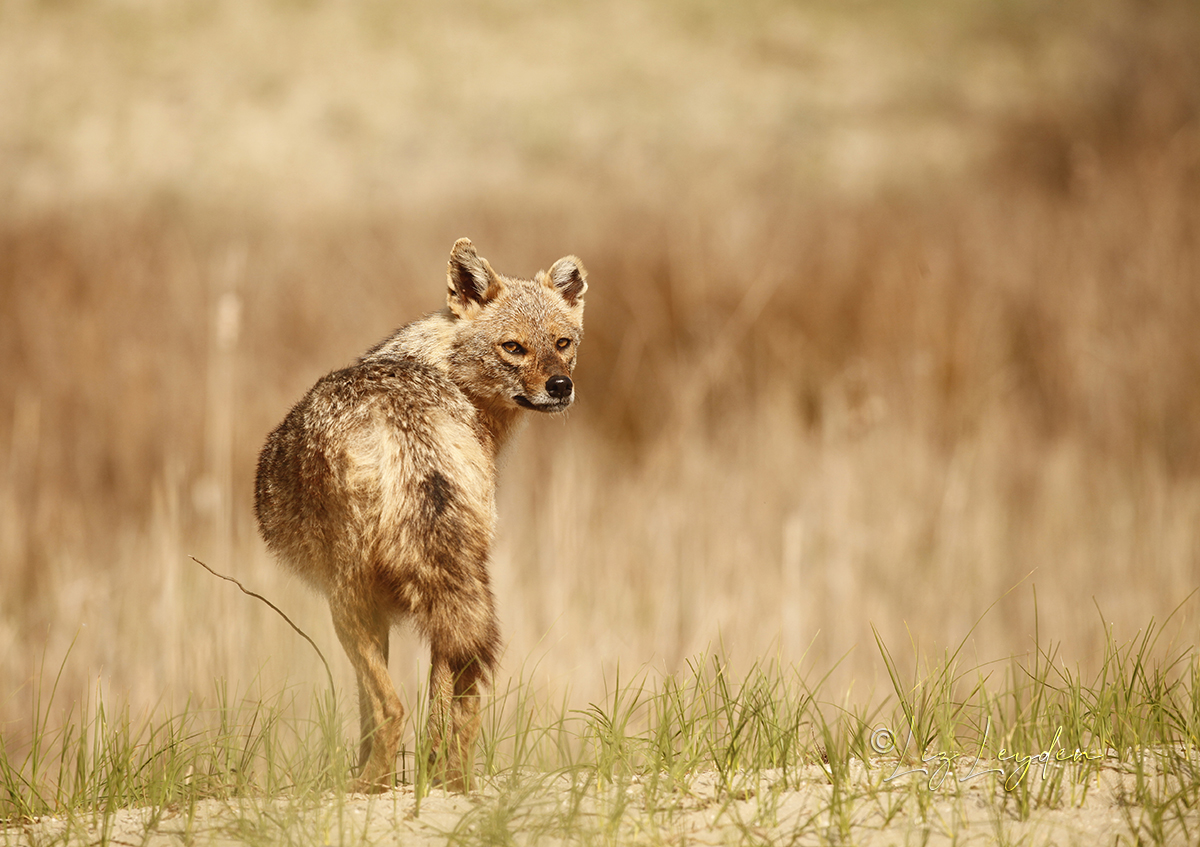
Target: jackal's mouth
[(552, 406)]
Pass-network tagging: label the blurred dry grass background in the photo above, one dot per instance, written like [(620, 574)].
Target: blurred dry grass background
[(892, 306)]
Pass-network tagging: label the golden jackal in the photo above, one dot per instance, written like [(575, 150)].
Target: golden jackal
[(379, 489)]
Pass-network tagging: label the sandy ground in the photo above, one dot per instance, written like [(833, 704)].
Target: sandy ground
[(877, 807)]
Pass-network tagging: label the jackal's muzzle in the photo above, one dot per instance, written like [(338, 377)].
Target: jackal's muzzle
[(559, 393)]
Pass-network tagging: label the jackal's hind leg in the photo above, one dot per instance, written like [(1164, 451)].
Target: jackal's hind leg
[(454, 694), (364, 635)]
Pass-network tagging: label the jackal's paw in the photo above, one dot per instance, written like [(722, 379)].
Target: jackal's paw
[(460, 784), (371, 785)]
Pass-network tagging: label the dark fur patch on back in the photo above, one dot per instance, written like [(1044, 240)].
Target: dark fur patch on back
[(443, 529), (436, 494)]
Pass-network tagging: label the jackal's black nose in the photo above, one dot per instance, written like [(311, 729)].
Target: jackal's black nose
[(559, 387)]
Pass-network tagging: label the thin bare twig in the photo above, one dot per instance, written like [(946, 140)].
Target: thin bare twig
[(277, 610)]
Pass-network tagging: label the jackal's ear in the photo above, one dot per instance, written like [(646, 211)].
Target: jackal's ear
[(470, 279), (568, 276)]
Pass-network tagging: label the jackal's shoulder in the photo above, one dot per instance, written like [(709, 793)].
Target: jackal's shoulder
[(400, 384), (426, 341)]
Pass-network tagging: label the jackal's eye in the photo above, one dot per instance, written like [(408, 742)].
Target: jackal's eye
[(513, 347), (563, 343)]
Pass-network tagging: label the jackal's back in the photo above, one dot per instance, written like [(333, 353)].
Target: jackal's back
[(378, 477)]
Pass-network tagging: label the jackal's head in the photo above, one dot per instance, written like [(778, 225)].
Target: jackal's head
[(515, 339)]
